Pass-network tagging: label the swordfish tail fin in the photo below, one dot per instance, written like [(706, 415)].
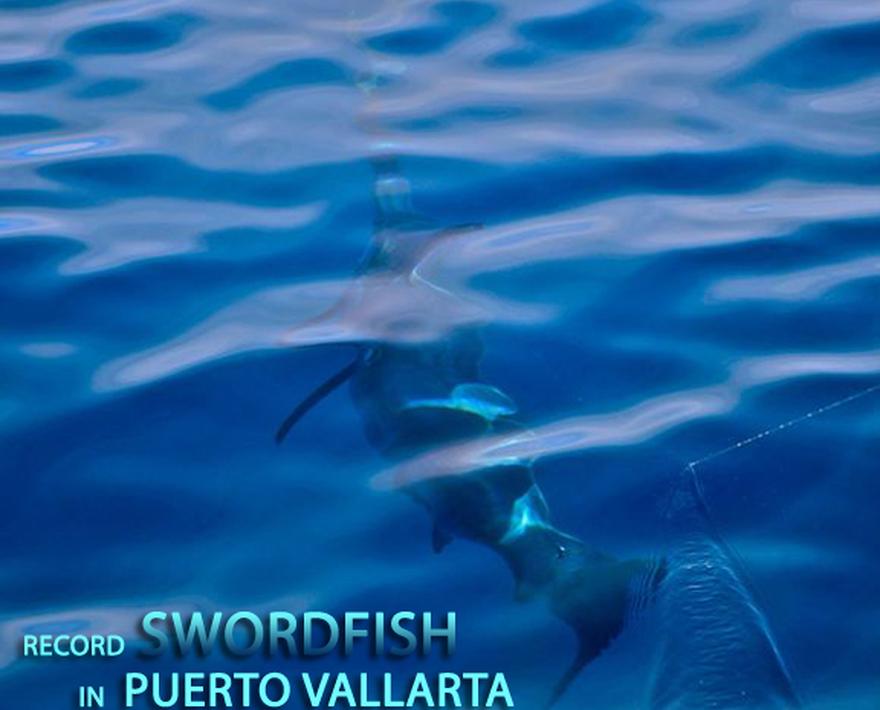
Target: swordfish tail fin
[(583, 657), (593, 593)]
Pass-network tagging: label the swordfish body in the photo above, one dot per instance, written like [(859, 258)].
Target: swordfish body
[(423, 392), (418, 394)]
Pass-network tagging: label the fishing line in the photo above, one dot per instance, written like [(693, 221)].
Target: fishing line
[(696, 486), (695, 481), (771, 431), (733, 555)]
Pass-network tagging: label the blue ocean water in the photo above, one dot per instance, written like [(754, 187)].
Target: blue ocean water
[(679, 249)]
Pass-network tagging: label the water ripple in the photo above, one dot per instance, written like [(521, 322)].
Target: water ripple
[(678, 205), (132, 37), (824, 58), (603, 26), (33, 74), (284, 75)]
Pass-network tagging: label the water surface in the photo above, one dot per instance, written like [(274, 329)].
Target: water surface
[(680, 214)]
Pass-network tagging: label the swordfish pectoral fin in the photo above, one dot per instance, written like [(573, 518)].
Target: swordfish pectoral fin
[(314, 398)]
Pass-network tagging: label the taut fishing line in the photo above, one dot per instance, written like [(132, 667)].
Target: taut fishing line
[(771, 431), (691, 466)]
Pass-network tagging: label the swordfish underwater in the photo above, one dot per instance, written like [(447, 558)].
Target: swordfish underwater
[(417, 385)]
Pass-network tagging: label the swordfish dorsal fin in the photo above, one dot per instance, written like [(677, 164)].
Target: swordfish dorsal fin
[(316, 396)]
